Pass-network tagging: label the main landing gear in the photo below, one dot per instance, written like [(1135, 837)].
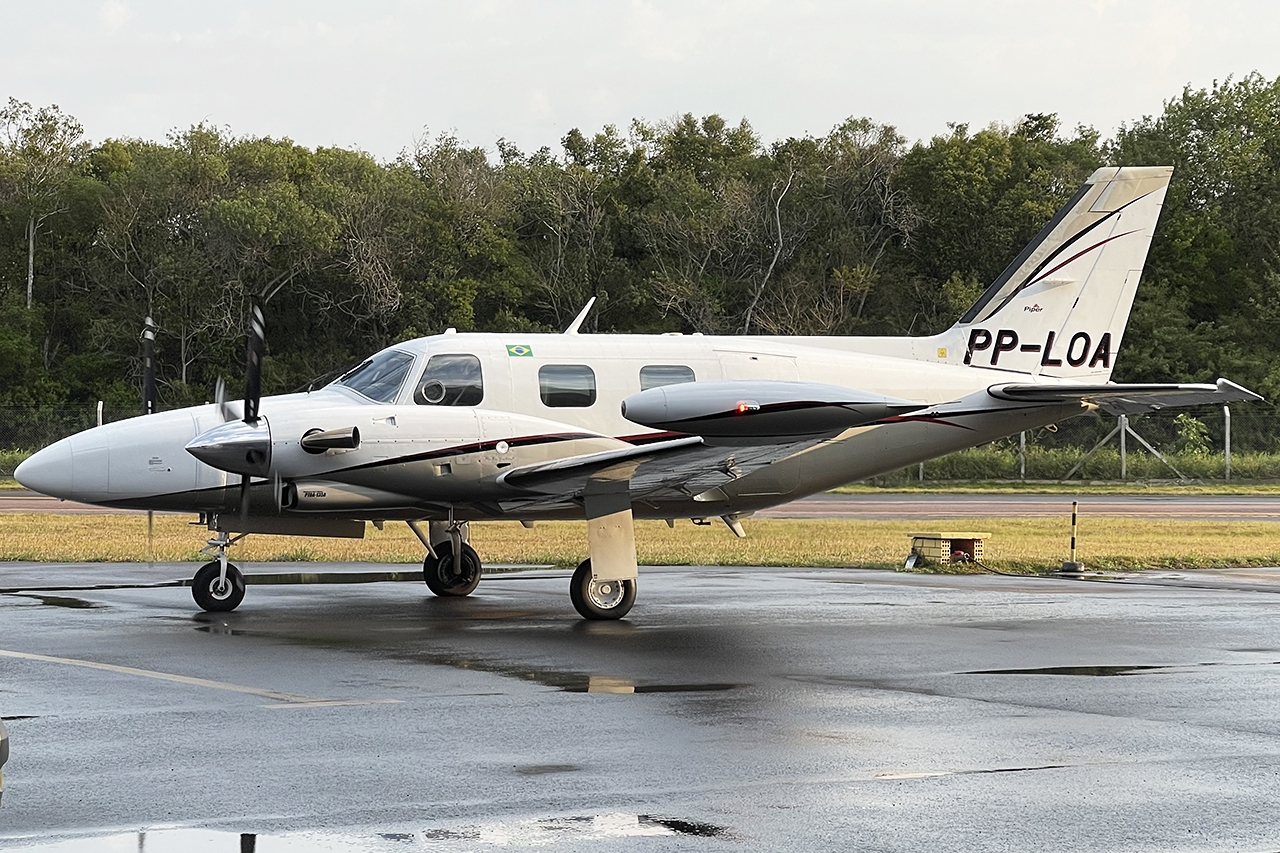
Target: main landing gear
[(218, 586), (595, 598)]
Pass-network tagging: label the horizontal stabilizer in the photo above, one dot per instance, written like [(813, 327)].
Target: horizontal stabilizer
[(1128, 399)]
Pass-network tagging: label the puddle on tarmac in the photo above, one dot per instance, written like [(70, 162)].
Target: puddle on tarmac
[(59, 601), (566, 681), (1071, 670), (534, 832), (934, 774), (1137, 669), (545, 831), (546, 769), (598, 684)]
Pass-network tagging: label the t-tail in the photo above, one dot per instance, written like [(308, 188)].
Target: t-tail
[(1060, 309)]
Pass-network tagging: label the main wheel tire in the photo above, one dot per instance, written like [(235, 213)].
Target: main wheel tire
[(217, 597), (441, 577), (600, 599)]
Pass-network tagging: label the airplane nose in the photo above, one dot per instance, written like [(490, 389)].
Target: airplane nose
[(49, 471)]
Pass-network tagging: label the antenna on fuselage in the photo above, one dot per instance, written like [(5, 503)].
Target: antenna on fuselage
[(582, 315)]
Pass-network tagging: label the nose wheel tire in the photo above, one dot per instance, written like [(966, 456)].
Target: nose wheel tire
[(214, 594), (446, 581), (600, 599)]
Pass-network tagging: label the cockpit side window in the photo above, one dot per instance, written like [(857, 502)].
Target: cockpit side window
[(380, 377), (450, 380), (657, 375)]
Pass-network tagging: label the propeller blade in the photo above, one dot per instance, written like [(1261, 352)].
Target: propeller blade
[(220, 397), (255, 349), (151, 537), (149, 367)]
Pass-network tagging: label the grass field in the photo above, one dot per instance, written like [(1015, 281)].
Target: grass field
[(1024, 487), (1017, 545)]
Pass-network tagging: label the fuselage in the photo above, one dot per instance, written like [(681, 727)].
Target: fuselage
[(442, 417)]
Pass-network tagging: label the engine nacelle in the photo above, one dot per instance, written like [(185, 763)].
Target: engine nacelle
[(759, 408), (328, 496)]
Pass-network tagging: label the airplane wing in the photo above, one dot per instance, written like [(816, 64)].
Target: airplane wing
[(1128, 399), (694, 465), (682, 467), (735, 426)]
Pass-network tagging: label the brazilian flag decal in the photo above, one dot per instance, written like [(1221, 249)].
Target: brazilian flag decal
[(519, 350)]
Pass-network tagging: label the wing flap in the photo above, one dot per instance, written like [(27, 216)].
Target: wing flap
[(684, 466), (1128, 399)]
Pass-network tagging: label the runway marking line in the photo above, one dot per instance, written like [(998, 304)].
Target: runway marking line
[(286, 700)]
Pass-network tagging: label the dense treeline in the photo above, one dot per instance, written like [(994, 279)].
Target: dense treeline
[(692, 224)]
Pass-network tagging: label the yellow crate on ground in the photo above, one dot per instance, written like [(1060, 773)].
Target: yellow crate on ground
[(945, 548)]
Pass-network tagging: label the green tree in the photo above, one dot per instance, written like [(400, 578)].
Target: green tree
[(1208, 302), (41, 150), (983, 196)]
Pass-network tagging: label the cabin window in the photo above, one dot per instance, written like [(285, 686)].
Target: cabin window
[(450, 380), (657, 375), (565, 385), (380, 377)]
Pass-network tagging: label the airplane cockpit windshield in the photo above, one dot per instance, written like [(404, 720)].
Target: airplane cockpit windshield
[(380, 377)]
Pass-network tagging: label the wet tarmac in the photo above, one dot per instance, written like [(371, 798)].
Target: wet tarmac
[(736, 709)]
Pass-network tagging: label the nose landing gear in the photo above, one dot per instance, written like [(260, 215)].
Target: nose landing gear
[(452, 568), (450, 575), (218, 586)]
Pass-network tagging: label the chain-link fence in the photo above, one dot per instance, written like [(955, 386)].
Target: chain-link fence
[(1201, 443), (1239, 442), (26, 429)]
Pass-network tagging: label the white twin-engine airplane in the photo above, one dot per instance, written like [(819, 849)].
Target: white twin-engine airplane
[(458, 428)]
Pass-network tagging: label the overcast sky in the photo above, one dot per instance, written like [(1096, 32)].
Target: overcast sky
[(377, 74)]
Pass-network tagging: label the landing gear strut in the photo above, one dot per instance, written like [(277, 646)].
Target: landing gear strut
[(218, 586), (604, 586)]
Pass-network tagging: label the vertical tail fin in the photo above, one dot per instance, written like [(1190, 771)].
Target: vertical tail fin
[(1061, 307)]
